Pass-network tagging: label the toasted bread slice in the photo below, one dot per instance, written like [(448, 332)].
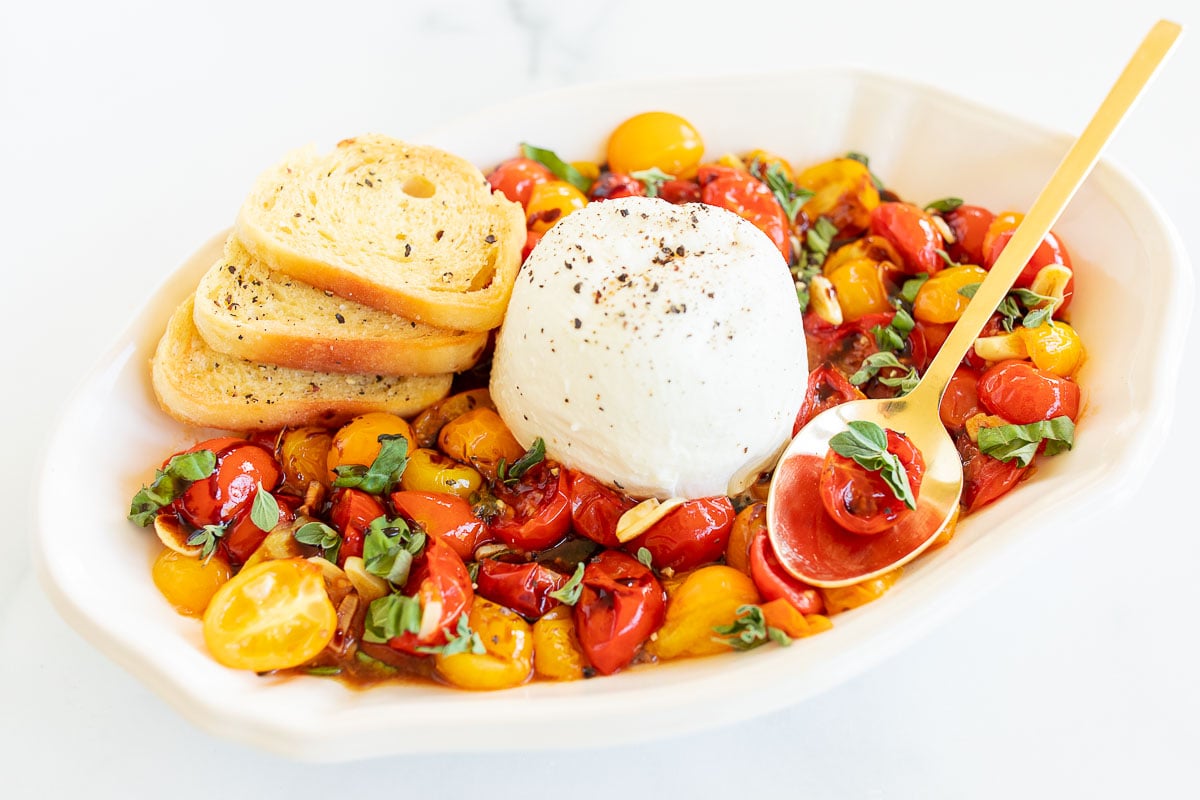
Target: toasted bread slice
[(247, 310), (406, 228), (198, 385)]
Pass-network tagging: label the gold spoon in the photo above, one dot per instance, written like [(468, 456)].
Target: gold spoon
[(916, 414)]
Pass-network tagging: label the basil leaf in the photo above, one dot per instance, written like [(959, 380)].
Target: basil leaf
[(561, 169), (819, 237), (264, 513), (894, 335), (790, 196), (572, 589), (389, 548), (318, 534), (384, 471), (908, 292), (944, 205), (866, 444), (170, 483), (536, 454), (950, 262), (1020, 442), (873, 363), (1030, 298), (324, 670), (652, 179), (866, 162), (390, 616), (464, 640)]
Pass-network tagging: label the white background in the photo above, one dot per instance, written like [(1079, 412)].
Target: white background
[(130, 133)]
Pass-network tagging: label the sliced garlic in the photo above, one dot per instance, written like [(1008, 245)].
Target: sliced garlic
[(431, 615), (637, 520), (1051, 281), (174, 534), (822, 299), (369, 587), (1001, 348), (279, 543), (490, 550), (943, 228)]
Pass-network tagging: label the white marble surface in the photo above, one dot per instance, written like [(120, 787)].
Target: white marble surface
[(130, 132)]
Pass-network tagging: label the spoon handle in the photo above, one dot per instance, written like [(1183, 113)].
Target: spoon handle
[(1066, 180)]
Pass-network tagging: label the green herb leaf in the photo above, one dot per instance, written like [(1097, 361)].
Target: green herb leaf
[(866, 444), (318, 534), (264, 513), (206, 538), (866, 162), (875, 362), (950, 262), (384, 471), (790, 196), (749, 630), (908, 292), (945, 205), (463, 640), (324, 670), (652, 179), (1020, 442), (969, 290), (1038, 317), (390, 616), (561, 169), (819, 237), (1030, 298), (536, 454), (572, 589), (643, 555), (389, 548), (170, 483), (894, 335), (363, 658)]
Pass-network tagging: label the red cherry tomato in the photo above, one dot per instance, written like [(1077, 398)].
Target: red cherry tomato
[(516, 178), (859, 499), (440, 581), (531, 240), (1022, 394), (693, 534), (444, 517), (1050, 251), (351, 513), (525, 588), (621, 605), (912, 233), (774, 582), (595, 509), (243, 537), (750, 199), (612, 185), (827, 387), (984, 478), (969, 225), (241, 467), (679, 192), (537, 510), (846, 346), (961, 400)]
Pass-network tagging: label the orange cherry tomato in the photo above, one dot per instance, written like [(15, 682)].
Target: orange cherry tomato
[(774, 583), (551, 201), (859, 499), (621, 605), (693, 534), (351, 513), (536, 511), (750, 199), (912, 233), (357, 442), (516, 178), (595, 508), (445, 517), (1023, 394), (746, 525)]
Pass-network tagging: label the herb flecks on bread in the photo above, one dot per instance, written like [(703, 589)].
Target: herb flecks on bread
[(405, 228)]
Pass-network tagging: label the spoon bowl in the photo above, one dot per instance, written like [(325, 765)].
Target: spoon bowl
[(808, 543)]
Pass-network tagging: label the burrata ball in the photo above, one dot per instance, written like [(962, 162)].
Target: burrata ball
[(658, 348)]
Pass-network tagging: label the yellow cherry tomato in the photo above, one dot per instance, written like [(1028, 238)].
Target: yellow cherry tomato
[(556, 652), (274, 615), (860, 288), (843, 193), (189, 582), (430, 471), (588, 169), (875, 248), (939, 300), (357, 442), (480, 438), (304, 456), (766, 159), (844, 598), (551, 201), (705, 599), (655, 139), (507, 659), (1054, 347)]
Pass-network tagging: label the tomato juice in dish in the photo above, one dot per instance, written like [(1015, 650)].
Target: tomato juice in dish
[(510, 535)]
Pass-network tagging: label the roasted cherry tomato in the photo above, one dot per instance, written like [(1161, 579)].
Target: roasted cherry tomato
[(551, 201), (595, 508), (621, 605), (187, 582), (846, 346), (517, 177), (827, 387), (536, 510), (507, 657), (691, 535), (843, 192), (969, 224), (444, 517), (525, 588), (961, 399), (357, 442), (303, 455), (1022, 394), (352, 512), (241, 467), (774, 582), (243, 537), (1050, 251), (746, 525), (531, 240), (750, 199), (859, 499), (984, 478), (709, 598), (655, 139), (912, 233), (679, 192), (612, 185), (440, 582)]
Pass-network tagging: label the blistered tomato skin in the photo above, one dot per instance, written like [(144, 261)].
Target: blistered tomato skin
[(843, 193), (912, 233), (242, 536), (827, 388), (612, 185), (707, 598), (621, 605), (352, 511), (303, 455), (479, 438), (445, 517), (940, 299), (440, 582), (507, 659), (858, 499), (985, 479), (187, 582), (655, 139), (431, 471), (1022, 394), (969, 225), (960, 401), (357, 442), (693, 534), (241, 467), (536, 509), (595, 508), (557, 655), (525, 588), (551, 201), (517, 177), (750, 199), (775, 583)]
